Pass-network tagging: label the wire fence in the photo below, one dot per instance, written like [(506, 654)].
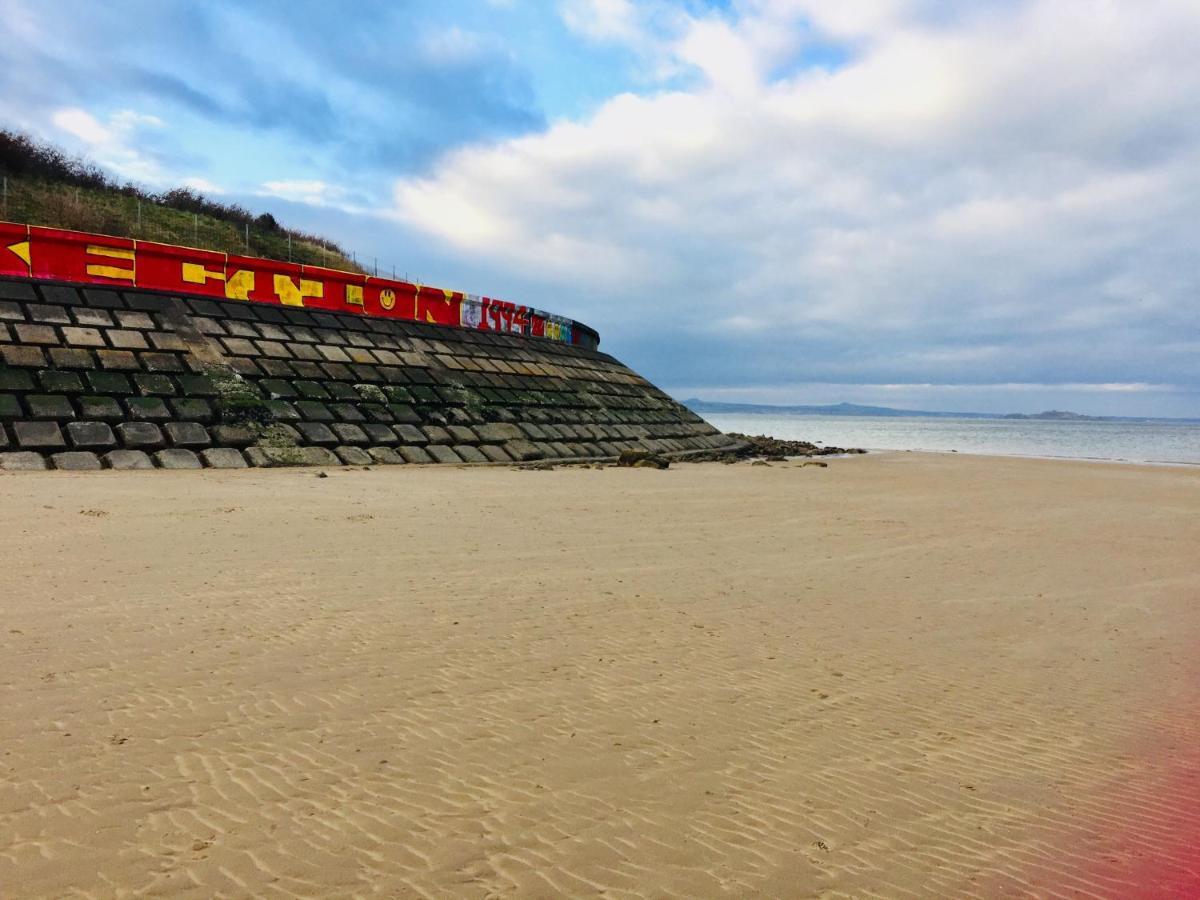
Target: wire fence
[(55, 205)]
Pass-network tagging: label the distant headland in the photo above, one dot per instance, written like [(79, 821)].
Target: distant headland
[(702, 407)]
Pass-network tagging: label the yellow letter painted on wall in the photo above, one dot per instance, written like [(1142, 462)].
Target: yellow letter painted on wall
[(291, 295), (239, 285), (195, 273), (125, 273), (21, 251), (354, 295), (387, 298)]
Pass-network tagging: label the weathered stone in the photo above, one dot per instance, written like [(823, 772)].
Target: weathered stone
[(410, 434), (223, 458), (469, 454), (76, 461), (499, 432), (127, 459), (187, 434), (494, 453), (38, 435), (316, 433), (233, 435), (10, 407), (22, 462), (177, 458), (379, 434), (523, 451), (91, 436), (147, 409), (350, 434), (385, 455), (192, 410), (49, 407), (415, 455), (462, 434), (443, 454), (437, 435), (353, 456), (105, 408), (15, 379), (140, 435), (56, 382)]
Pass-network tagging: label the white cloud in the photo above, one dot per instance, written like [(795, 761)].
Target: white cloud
[(1010, 172), (604, 20), (314, 192), (114, 143)]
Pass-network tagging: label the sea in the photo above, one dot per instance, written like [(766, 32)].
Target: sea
[(1159, 441)]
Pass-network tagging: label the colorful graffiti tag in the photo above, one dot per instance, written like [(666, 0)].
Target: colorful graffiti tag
[(53, 254)]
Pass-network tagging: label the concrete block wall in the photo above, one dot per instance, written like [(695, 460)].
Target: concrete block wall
[(94, 378)]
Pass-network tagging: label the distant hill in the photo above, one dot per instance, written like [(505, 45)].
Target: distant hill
[(46, 186), (853, 409)]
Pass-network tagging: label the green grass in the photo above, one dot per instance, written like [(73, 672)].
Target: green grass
[(112, 211)]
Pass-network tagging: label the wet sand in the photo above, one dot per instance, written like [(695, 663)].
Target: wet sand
[(898, 676)]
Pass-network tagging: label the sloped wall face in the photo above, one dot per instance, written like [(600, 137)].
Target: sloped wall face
[(93, 378)]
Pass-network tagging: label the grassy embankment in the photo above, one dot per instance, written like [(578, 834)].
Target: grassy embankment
[(47, 187)]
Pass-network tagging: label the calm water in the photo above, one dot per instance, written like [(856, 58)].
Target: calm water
[(1127, 441)]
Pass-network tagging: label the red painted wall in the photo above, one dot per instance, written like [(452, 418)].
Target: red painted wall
[(29, 251)]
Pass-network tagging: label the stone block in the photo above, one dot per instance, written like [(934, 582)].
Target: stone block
[(495, 454), (416, 455), (38, 436), (350, 434), (177, 458), (354, 456), (469, 454), (462, 434), (49, 407), (443, 454), (187, 434), (55, 382), (144, 409), (125, 460), (410, 434), (404, 414), (22, 357), (76, 461), (379, 434), (22, 462), (109, 383), (223, 458), (316, 433), (437, 435), (82, 337), (233, 435), (127, 340), (385, 456), (10, 407), (499, 432), (36, 334), (92, 317), (197, 386), (313, 411), (15, 380), (282, 410), (91, 436), (140, 435), (154, 385), (347, 412), (192, 410), (118, 360), (105, 408), (523, 451)]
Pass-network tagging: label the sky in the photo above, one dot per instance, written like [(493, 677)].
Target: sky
[(986, 205)]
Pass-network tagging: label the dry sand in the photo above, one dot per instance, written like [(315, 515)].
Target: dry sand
[(901, 675)]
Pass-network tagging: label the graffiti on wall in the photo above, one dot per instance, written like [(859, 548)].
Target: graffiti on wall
[(54, 254)]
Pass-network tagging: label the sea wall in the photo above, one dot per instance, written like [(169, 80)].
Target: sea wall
[(101, 377)]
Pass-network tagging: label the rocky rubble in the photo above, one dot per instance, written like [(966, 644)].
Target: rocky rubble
[(770, 449)]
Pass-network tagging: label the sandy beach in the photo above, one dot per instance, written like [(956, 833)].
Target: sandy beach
[(902, 675)]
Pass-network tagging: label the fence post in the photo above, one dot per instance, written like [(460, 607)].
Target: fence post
[(377, 267), (196, 228), (139, 214), (247, 238), (6, 197)]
